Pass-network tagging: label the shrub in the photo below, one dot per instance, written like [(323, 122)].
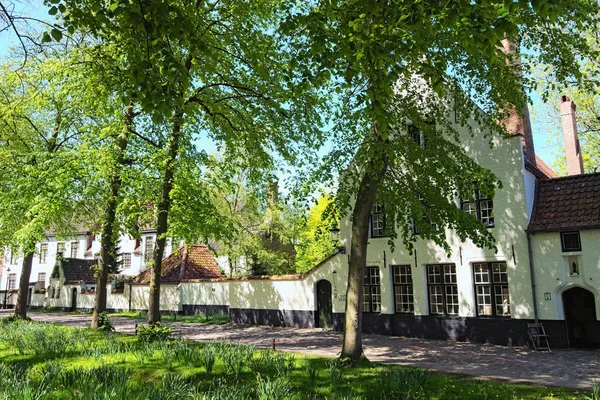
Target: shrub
[(151, 333), (104, 323)]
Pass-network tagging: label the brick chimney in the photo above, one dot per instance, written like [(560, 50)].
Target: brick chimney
[(272, 193), (569, 127), (519, 123)]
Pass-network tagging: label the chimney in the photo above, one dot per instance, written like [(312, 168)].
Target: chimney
[(518, 123), (272, 193), (569, 127)]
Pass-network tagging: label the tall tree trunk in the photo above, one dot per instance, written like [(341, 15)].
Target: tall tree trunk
[(21, 305), (367, 192), (162, 220), (108, 244)]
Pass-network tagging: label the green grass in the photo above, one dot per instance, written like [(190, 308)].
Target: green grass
[(44, 361), (214, 319)]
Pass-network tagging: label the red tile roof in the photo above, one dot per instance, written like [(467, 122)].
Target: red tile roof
[(190, 262), (541, 170), (571, 202)]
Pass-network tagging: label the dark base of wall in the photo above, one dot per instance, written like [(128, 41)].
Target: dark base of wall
[(196, 309), (299, 319), (512, 332)]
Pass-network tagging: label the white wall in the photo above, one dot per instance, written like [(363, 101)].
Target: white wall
[(552, 273)]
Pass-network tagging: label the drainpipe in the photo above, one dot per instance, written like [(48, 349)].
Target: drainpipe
[(532, 273)]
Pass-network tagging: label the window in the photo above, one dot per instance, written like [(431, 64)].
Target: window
[(125, 260), (491, 289), (417, 224), (42, 280), (481, 207), (417, 135), (443, 290), (43, 253), (372, 290), (380, 223), (12, 281), (58, 292), (61, 248), (13, 259), (149, 248), (74, 249), (570, 241), (403, 288)]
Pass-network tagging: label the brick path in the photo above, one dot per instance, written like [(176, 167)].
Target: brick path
[(568, 368)]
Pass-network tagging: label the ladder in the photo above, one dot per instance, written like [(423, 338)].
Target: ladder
[(537, 334)]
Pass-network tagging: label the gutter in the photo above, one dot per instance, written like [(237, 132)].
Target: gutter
[(532, 274)]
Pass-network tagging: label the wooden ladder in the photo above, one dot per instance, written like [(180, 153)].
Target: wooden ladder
[(537, 334)]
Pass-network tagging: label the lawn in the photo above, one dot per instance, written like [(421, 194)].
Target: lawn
[(44, 361), (215, 319)]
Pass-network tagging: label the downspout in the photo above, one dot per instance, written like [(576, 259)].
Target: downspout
[(532, 273)]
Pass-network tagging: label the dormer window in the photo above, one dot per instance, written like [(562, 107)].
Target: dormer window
[(481, 207), (381, 224), (570, 241)]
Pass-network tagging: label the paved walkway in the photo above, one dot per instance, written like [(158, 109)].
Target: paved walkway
[(568, 368)]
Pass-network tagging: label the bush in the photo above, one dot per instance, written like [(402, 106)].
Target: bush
[(152, 333), (104, 323)]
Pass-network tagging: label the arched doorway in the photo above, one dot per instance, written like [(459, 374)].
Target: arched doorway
[(324, 305), (580, 316), (74, 299)]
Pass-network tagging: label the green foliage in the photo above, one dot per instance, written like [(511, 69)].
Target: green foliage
[(151, 333), (208, 357), (114, 372), (315, 240), (104, 323)]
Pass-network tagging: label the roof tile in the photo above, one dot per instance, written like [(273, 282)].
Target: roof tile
[(566, 203)]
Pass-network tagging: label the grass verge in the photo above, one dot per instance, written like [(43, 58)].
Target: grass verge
[(45, 361)]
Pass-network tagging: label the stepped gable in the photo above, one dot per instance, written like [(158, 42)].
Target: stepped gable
[(77, 270), (189, 263), (571, 202)]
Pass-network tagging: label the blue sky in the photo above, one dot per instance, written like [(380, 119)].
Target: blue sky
[(543, 117)]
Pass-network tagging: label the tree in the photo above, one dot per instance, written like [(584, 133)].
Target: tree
[(38, 135), (315, 241), (212, 68), (395, 63)]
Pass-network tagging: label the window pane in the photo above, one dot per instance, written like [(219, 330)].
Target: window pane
[(570, 241), (60, 248), (482, 274), (149, 248), (12, 281), (43, 253), (402, 274), (436, 300), (404, 299), (376, 298), (378, 225), (434, 274), (451, 299), (469, 208), (366, 299), (74, 249), (484, 300), (499, 273), (502, 300), (449, 273), (487, 211)]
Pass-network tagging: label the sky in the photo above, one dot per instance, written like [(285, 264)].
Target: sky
[(544, 117)]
